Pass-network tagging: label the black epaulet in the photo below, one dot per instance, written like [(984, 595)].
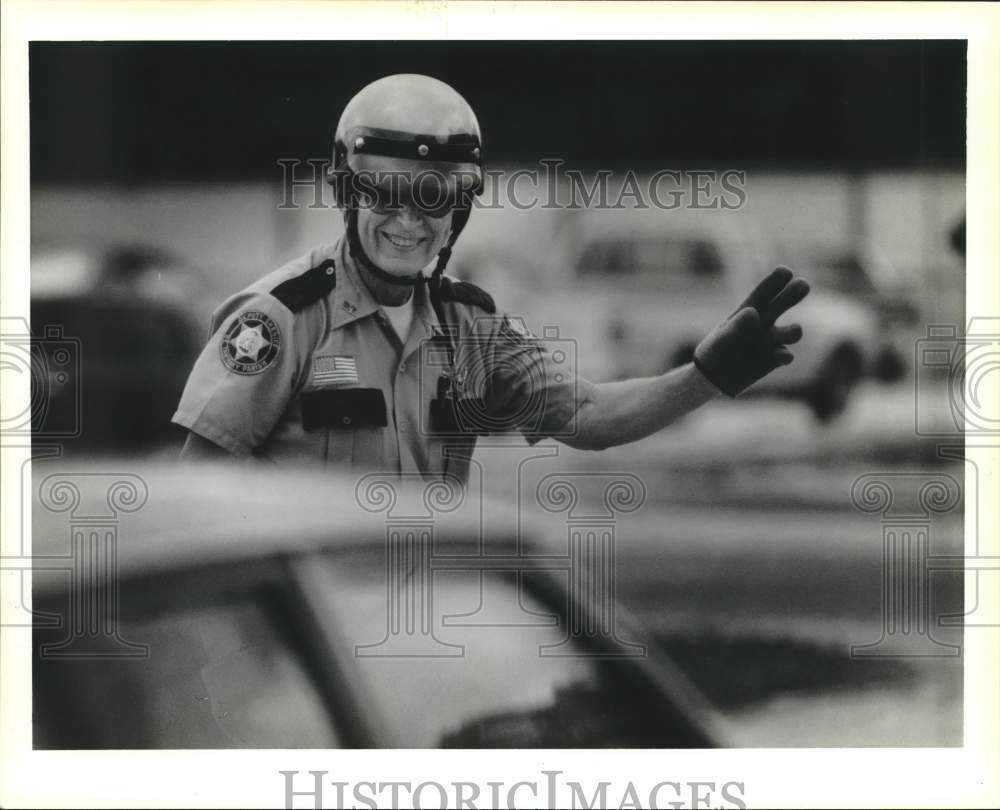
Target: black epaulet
[(299, 292), (466, 293)]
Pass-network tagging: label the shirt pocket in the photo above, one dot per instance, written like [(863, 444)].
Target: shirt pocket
[(343, 408), (353, 421)]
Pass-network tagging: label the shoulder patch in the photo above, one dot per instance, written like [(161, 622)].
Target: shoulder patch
[(251, 343), (515, 329), (466, 293), (299, 292)]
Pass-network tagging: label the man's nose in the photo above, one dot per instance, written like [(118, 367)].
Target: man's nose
[(409, 216)]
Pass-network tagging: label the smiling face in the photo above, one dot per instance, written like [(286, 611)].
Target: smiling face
[(404, 241)]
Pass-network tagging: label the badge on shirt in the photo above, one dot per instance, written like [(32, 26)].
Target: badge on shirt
[(513, 329), (251, 343), (334, 369)]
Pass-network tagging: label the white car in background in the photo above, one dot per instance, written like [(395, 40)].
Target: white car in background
[(858, 269), (638, 289)]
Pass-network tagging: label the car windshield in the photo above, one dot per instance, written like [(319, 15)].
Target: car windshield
[(671, 261), (495, 671)]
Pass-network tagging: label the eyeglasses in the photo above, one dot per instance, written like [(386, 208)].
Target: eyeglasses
[(431, 195), (383, 202)]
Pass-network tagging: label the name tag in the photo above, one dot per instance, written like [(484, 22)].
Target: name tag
[(344, 408)]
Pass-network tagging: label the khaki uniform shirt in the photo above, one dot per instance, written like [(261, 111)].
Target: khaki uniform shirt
[(304, 368)]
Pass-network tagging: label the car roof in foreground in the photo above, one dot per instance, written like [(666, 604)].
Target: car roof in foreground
[(173, 515)]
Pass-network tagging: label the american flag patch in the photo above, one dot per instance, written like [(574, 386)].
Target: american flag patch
[(335, 370)]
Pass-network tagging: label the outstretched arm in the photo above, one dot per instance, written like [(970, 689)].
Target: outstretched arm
[(742, 349), (614, 413)]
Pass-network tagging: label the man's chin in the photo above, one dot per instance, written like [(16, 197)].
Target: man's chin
[(399, 269)]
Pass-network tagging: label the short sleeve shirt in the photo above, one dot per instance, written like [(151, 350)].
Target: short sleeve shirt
[(302, 371)]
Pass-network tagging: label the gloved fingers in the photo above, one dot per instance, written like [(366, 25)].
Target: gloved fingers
[(792, 333), (780, 356), (744, 325), (793, 292), (765, 291)]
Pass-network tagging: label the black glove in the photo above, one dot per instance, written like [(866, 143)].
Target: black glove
[(747, 345)]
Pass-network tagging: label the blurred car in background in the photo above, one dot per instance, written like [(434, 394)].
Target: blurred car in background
[(116, 330), (257, 613), (857, 269), (638, 289)]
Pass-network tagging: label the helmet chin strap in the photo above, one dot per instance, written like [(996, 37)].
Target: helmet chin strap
[(358, 254)]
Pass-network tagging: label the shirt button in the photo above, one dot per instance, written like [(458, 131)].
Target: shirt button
[(403, 425), (402, 368), (346, 420)]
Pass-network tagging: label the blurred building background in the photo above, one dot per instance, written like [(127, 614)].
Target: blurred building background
[(177, 144), (155, 174)]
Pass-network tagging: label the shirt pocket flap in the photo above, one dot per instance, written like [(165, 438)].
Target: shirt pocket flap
[(343, 408)]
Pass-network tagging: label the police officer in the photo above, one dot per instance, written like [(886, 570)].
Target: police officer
[(353, 356)]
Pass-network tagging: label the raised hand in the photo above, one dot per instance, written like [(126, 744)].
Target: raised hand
[(748, 345)]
